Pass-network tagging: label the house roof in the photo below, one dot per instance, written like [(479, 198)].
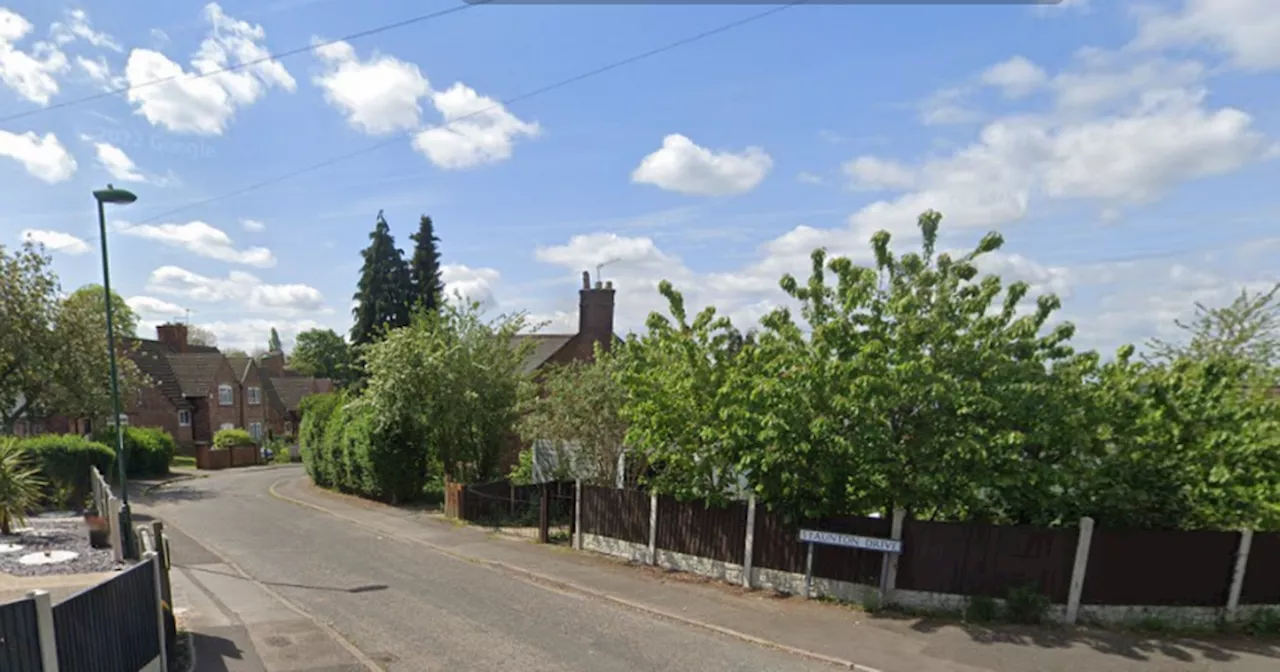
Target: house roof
[(239, 366), (195, 371), (292, 389), (545, 346), (152, 359)]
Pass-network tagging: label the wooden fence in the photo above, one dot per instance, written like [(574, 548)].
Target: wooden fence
[(20, 637), (1071, 566)]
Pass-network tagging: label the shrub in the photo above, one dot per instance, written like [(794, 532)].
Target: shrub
[(230, 438), (1026, 605), (981, 609), (316, 411), (64, 462), (20, 485), (148, 450), (357, 454)]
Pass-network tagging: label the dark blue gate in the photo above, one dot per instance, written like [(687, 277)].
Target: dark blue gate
[(19, 637), (112, 627)]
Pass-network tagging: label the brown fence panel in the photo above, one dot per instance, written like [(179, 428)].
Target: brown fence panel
[(694, 529), (777, 546), (1160, 567), (1262, 574), (617, 514), (990, 560)]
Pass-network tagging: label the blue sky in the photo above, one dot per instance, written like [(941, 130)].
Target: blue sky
[(1126, 150)]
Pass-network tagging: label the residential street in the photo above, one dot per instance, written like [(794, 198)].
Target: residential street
[(403, 605), (412, 592)]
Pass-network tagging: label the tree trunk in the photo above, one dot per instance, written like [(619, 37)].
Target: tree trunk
[(4, 524)]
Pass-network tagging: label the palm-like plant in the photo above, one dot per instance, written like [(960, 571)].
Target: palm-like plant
[(20, 485)]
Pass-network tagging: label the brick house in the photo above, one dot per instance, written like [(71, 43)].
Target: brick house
[(195, 391), (595, 325)]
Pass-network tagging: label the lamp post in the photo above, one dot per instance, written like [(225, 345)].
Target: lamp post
[(119, 197)]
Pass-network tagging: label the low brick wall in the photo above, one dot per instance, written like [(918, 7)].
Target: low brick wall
[(225, 458)]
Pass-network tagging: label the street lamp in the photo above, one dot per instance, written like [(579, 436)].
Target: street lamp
[(119, 197)]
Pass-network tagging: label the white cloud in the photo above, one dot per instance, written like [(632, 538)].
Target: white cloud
[(202, 240), (948, 107), (44, 157), (1247, 31), (810, 178), (151, 307), (1015, 77), (869, 172), (474, 284), (379, 95), (251, 333), (477, 130), (253, 225), (57, 241), (185, 104), (30, 75), (117, 163), (244, 290), (76, 27), (684, 167), (100, 72)]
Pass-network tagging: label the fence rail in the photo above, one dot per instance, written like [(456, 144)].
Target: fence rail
[(20, 637), (941, 563)]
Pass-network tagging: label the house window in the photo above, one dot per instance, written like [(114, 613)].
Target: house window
[(227, 425), (255, 430), (288, 427), (225, 395), (124, 421), (184, 418), (138, 396), (255, 396)]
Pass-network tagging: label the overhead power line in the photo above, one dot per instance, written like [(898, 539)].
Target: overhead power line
[(508, 101), (269, 57)]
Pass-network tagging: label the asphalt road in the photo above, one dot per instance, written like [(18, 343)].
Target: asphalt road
[(410, 608)]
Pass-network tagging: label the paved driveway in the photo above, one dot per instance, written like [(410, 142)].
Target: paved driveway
[(410, 608)]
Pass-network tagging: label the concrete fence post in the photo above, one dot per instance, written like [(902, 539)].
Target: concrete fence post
[(158, 583), (1237, 577), (748, 551), (577, 514), (653, 528), (44, 627), (1078, 569), (889, 565), (113, 525)]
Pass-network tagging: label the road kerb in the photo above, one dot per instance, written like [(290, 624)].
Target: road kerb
[(334, 634), (543, 580)]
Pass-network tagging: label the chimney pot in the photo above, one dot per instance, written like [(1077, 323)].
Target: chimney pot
[(608, 284), (595, 312), (586, 280)]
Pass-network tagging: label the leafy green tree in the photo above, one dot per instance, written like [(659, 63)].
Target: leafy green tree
[(424, 267), (382, 297), (20, 485), (53, 351), (575, 409), (197, 335), (273, 342), (322, 353), (89, 299), (448, 385), (1248, 328)]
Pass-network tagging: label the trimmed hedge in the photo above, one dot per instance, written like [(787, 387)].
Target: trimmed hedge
[(346, 449), (148, 450), (230, 438), (64, 462)]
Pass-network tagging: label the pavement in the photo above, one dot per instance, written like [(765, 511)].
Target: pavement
[(402, 590), (60, 586)]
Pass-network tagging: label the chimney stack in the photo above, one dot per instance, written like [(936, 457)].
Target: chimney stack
[(173, 335), (595, 311)]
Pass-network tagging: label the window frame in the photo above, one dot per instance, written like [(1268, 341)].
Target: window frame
[(254, 396), (184, 412), (230, 398)]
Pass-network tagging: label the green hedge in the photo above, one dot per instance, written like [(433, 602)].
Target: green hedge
[(345, 448), (316, 410), (148, 450), (64, 462), (230, 438)]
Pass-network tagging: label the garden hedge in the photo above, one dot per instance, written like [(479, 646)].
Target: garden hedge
[(347, 449), (230, 438), (64, 462), (148, 450)]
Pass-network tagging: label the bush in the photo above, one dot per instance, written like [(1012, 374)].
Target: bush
[(1026, 605), (148, 450), (316, 411), (981, 609), (64, 462), (356, 454), (230, 438)]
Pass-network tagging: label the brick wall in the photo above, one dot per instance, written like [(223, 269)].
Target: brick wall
[(150, 408), (218, 414), (253, 412)]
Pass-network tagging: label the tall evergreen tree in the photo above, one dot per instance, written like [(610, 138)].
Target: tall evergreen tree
[(424, 268), (383, 293), (273, 343)]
